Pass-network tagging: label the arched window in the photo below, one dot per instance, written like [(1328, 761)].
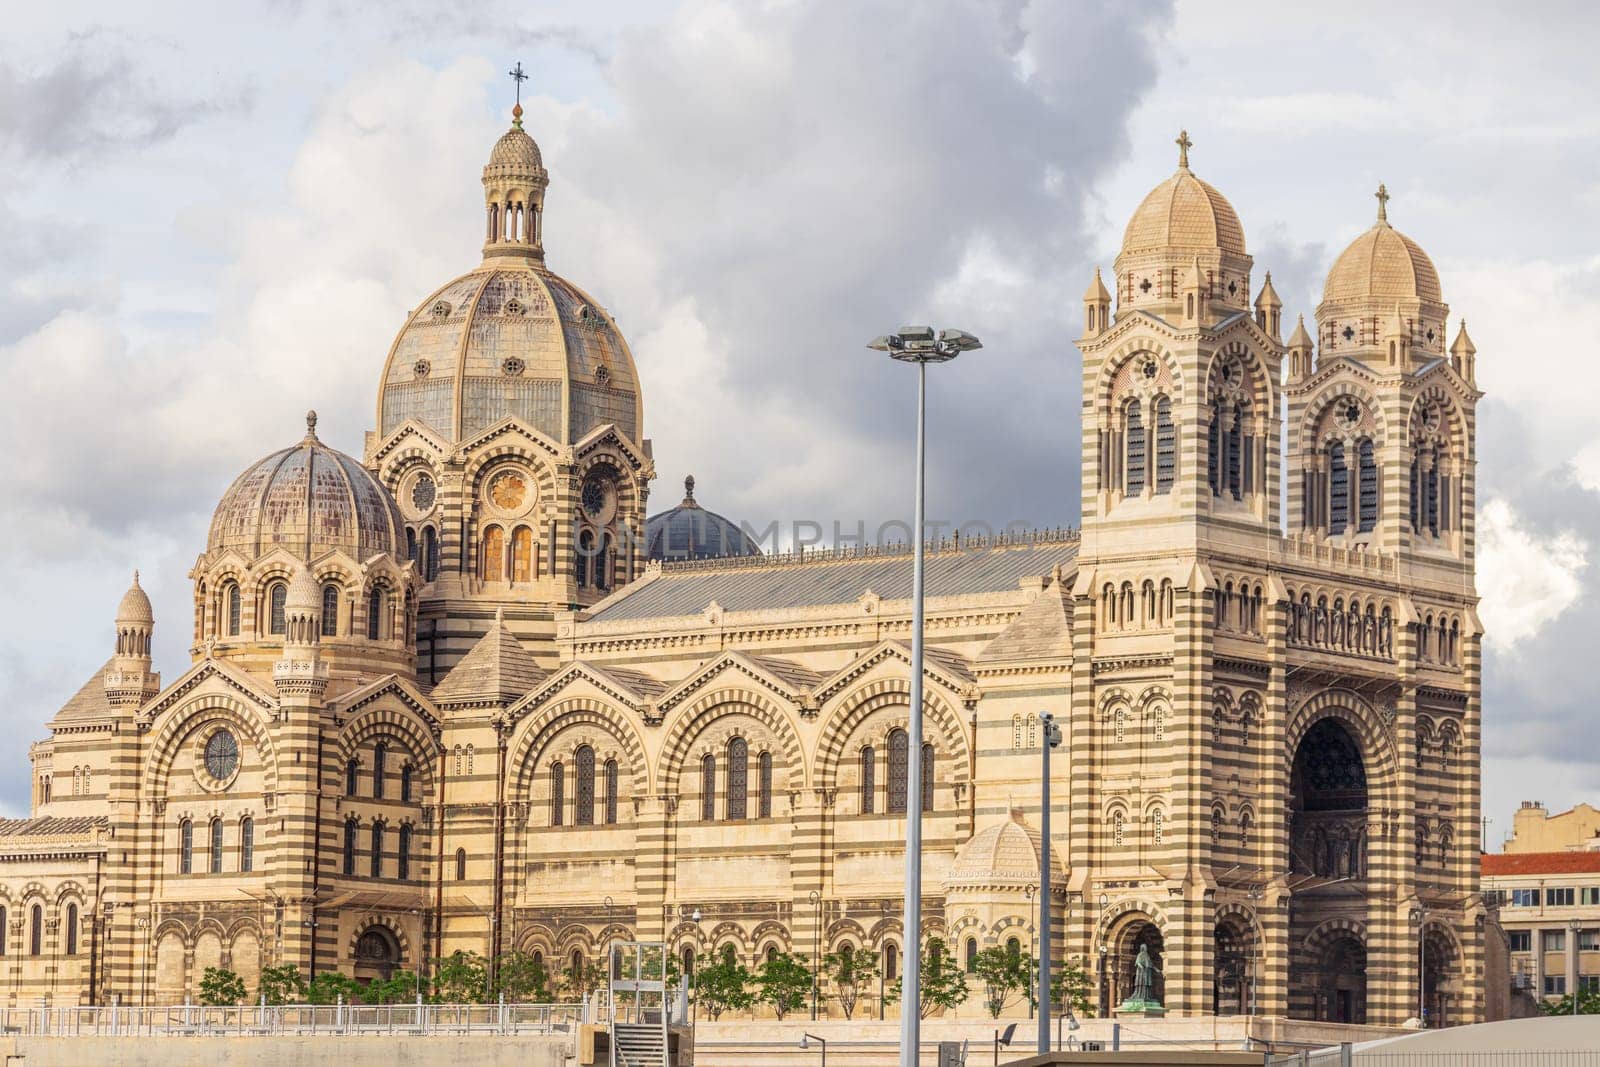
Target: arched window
[(738, 778), (1244, 829), (1166, 445), (406, 774), (1214, 452), (764, 787), (708, 788), (927, 777), (869, 774), (380, 760), (403, 853), (330, 610), (1338, 489), (247, 844), (558, 794), (1234, 442), (375, 612), (522, 554), (277, 596), (230, 602), (891, 961), (585, 557), (1366, 487), (72, 927), (350, 830), (430, 554), (898, 754), (215, 864), (1133, 422), (687, 959), (36, 931), (377, 850), (584, 816), (1216, 826), (605, 564), (411, 544), (186, 847), (492, 562), (350, 769), (461, 865), (611, 792), (971, 954)]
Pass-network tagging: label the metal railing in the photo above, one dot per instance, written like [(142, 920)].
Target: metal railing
[(190, 1020)]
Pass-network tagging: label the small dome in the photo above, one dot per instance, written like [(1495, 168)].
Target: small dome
[(1382, 266), (516, 149), (135, 606), (1184, 213), (1005, 854), (689, 531), (303, 596), (309, 499)]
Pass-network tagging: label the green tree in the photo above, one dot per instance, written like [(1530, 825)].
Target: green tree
[(521, 977), (784, 981), (329, 986), (219, 987), (944, 983), (460, 978), (281, 985), (850, 970), (399, 988), (722, 983), (1004, 975), (1070, 985), (1588, 1004), (582, 977)]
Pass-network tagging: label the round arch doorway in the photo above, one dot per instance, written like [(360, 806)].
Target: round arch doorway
[(377, 955), (1139, 932)]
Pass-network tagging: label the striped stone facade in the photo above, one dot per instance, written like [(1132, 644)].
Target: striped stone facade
[(1270, 707)]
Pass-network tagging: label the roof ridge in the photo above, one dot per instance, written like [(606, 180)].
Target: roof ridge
[(843, 553)]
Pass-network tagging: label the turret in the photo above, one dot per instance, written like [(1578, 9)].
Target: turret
[(130, 681), (1193, 295), (1462, 355), (1301, 351), (301, 672), (1096, 307), (1269, 309)]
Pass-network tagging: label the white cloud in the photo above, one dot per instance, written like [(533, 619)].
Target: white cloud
[(1526, 580)]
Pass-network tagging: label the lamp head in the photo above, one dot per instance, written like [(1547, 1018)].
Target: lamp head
[(696, 915), (889, 342), (960, 340), (805, 1041), (913, 334)]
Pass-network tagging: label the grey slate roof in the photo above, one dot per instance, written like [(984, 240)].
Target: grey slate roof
[(1042, 631), (758, 583), (497, 668), (88, 703), (52, 825)]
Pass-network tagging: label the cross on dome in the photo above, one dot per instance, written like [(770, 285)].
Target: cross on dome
[(1184, 144), (1383, 202), (517, 75), (311, 424)]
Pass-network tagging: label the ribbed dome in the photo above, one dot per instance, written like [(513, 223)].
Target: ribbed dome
[(1005, 854), (513, 339), (516, 149), (689, 531), (1382, 266), (309, 499), (1184, 213), (135, 606)]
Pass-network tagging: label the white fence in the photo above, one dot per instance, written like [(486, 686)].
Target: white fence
[(185, 1020)]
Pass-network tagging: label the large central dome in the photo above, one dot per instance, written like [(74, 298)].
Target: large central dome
[(512, 338)]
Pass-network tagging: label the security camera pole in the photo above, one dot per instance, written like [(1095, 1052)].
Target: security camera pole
[(1052, 738), (919, 345)]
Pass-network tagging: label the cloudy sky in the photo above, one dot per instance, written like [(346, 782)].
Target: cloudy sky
[(209, 224)]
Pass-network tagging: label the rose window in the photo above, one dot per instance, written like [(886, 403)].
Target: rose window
[(221, 755)]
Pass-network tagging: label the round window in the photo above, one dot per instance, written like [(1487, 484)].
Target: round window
[(423, 493), (222, 755), (509, 490)]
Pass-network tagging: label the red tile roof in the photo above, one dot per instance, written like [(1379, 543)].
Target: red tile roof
[(1513, 863)]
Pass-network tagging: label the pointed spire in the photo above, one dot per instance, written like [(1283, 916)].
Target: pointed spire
[(1462, 345), (1383, 202), (1268, 297), (1300, 338), (1184, 144), (1097, 290)]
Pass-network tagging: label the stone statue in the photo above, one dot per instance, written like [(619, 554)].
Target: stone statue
[(1144, 985)]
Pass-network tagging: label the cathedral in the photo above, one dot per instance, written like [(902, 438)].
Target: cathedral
[(462, 693)]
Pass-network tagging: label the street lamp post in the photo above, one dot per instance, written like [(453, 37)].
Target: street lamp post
[(1419, 919), (1033, 946), (919, 345), (1574, 927), (1052, 738), (816, 949)]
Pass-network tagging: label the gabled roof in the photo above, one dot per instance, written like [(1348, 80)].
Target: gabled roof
[(949, 669), (786, 678), (404, 690), (89, 703), (1515, 863), (234, 677), (497, 670), (634, 689), (1042, 631), (762, 582)]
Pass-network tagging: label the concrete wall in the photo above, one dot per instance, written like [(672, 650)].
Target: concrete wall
[(291, 1051)]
